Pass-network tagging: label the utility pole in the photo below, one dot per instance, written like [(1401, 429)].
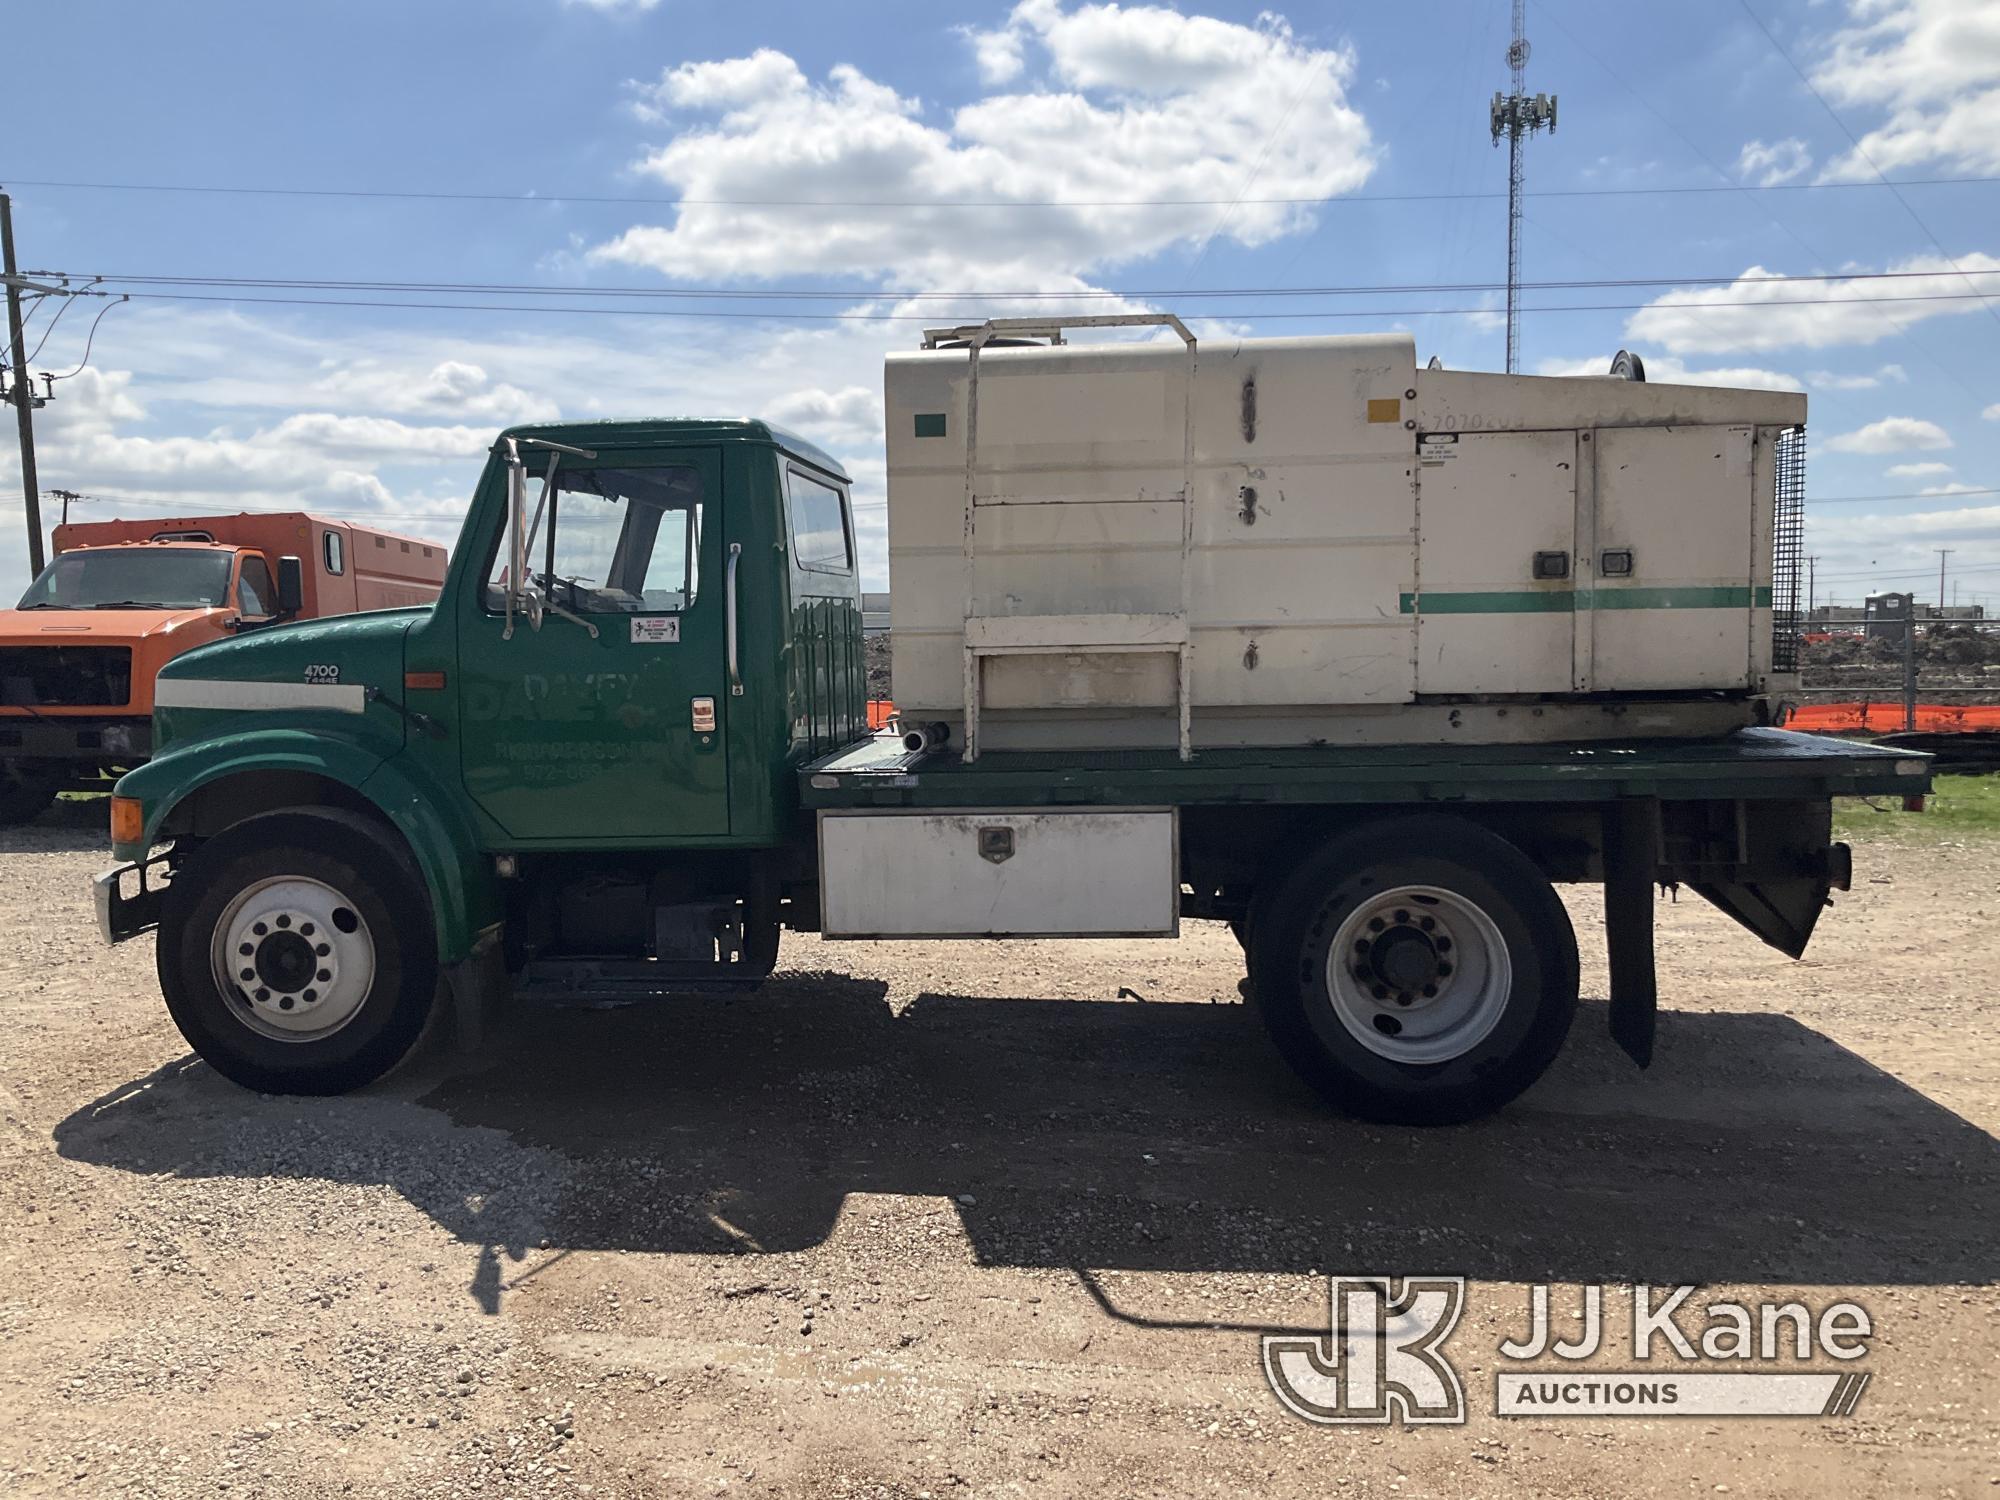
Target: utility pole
[(23, 389), (1812, 584), (1515, 115), (1943, 553)]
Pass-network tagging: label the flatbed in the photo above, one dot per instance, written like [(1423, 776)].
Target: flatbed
[(1750, 763)]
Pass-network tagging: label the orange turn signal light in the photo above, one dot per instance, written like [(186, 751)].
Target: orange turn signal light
[(128, 820), (423, 682)]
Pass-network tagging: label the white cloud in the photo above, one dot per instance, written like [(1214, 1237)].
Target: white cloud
[(216, 410), (1665, 369), (1768, 163), (1917, 471), (1826, 380), (1759, 312), (383, 438), (1934, 67), (1891, 435), (998, 54), (1132, 102), (1956, 487), (846, 418), (1894, 548), (1992, 413), (451, 386), (612, 6)]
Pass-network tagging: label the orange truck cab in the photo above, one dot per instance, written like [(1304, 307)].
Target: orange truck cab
[(79, 653)]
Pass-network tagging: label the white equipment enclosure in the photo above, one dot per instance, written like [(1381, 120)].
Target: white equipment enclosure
[(1299, 541)]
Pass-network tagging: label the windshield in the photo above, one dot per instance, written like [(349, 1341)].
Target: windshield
[(114, 578)]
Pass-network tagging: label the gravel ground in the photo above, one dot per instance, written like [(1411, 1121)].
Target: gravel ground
[(959, 1219)]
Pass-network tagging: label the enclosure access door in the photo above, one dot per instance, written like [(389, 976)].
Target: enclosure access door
[(611, 726), (1683, 557), (1496, 592)]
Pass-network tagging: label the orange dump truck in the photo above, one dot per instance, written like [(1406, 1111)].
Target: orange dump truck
[(79, 653)]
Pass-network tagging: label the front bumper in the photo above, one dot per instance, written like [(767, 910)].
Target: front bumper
[(111, 741), (120, 916)]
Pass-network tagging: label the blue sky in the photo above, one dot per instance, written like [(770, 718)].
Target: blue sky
[(1161, 135)]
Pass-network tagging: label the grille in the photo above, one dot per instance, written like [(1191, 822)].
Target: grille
[(1788, 527), (83, 676)]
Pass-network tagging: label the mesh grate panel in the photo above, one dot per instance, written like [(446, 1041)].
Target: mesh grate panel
[(1788, 525)]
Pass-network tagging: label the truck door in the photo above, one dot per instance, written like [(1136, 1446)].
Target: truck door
[(1496, 566), (609, 724)]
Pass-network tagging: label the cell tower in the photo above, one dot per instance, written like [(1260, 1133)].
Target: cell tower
[(1515, 115)]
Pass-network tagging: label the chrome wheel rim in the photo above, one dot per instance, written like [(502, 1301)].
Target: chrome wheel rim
[(293, 958), (1419, 974)]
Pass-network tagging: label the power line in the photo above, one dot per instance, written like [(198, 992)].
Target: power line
[(1093, 295), (1914, 495), (971, 317), (1229, 212), (89, 341), (1923, 572), (479, 288), (1861, 151), (1735, 185), (662, 201)]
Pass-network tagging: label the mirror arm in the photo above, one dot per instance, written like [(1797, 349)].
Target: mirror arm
[(520, 532), (556, 609), (517, 503)]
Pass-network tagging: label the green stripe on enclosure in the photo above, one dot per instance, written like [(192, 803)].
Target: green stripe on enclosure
[(1567, 601)]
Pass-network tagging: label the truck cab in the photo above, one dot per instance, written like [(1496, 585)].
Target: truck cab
[(582, 759), (80, 653)]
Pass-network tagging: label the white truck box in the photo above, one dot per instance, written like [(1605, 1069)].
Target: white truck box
[(1071, 872)]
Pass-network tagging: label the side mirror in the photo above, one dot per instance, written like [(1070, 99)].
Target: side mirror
[(291, 586)]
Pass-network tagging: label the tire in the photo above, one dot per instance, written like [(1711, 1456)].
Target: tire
[(24, 796), (1412, 903), (342, 965)]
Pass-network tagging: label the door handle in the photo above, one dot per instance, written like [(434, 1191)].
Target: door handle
[(729, 619)]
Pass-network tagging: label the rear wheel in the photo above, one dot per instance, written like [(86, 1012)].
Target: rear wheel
[(1416, 972), (297, 955)]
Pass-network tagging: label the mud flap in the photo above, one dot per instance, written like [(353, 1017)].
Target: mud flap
[(477, 989), (1631, 863)]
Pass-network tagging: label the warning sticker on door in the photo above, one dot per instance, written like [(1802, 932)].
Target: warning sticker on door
[(656, 630), (1434, 448)]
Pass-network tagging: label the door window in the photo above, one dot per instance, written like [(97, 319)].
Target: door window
[(334, 560), (254, 594), (613, 541), (819, 525)]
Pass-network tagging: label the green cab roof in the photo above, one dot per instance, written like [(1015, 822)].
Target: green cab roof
[(651, 431)]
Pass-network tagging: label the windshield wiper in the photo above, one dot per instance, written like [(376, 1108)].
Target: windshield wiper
[(46, 604), (131, 604)]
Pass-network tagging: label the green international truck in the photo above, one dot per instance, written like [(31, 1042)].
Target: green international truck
[(628, 746)]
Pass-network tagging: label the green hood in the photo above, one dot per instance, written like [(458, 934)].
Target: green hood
[(326, 676)]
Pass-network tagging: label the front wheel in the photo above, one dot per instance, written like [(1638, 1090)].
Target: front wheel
[(1420, 972), (23, 795), (296, 954)]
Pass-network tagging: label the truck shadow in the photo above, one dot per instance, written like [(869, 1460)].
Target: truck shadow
[(1091, 1134), (71, 825)]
